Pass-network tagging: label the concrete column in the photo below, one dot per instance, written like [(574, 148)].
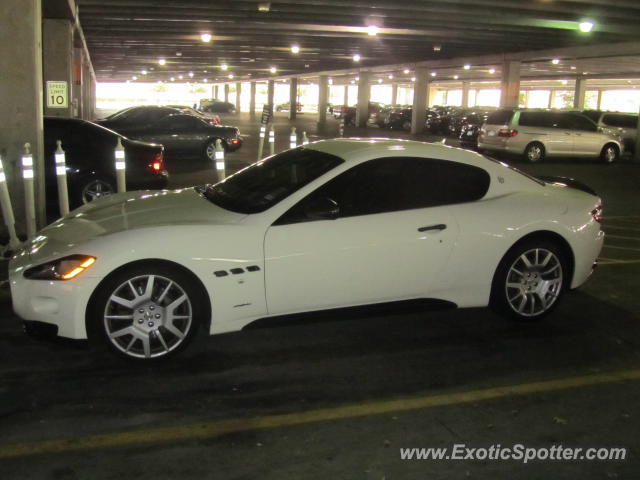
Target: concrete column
[(293, 98), (76, 90), (57, 60), (88, 103), (394, 94), (420, 101), (252, 99), (238, 93), (599, 106), (465, 94), (510, 84), (215, 91), (364, 93), (323, 95), (271, 87), (226, 92), (345, 98), (552, 93), (21, 100), (636, 151), (579, 93)]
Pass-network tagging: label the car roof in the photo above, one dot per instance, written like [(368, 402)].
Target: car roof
[(357, 149)]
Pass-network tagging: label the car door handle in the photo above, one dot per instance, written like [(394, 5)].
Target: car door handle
[(439, 226)]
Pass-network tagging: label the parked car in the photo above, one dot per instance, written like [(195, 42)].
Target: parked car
[(537, 134), (624, 125), (349, 113), (285, 107), (402, 118), (218, 106), (336, 223), (470, 125), (90, 161), (184, 135)]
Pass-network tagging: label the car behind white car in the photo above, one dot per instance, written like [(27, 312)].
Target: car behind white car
[(335, 223)]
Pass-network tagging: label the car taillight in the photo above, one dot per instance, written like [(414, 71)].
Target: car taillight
[(596, 213), (157, 163), (481, 132), (235, 141), (506, 132)]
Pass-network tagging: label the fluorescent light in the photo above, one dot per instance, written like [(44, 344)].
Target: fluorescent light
[(372, 30), (295, 49), (162, 61), (555, 61), (273, 69), (586, 26), (433, 74), (406, 71), (456, 77), (390, 77), (180, 77), (134, 78), (173, 79), (230, 76), (191, 74), (144, 72), (492, 71), (413, 79), (467, 66), (356, 57), (379, 80), (224, 66), (205, 37)]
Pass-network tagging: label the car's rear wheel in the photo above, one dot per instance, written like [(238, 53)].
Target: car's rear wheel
[(210, 149), (146, 312), (529, 280), (534, 152), (89, 189), (610, 153)]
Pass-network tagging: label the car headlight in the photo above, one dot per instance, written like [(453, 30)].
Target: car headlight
[(64, 268)]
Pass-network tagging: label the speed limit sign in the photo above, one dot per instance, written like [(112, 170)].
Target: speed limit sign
[(57, 93)]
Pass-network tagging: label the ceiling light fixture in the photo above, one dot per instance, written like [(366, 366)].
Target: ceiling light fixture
[(205, 37), (134, 78), (230, 76), (173, 79), (467, 66), (437, 48), (372, 30), (356, 57), (413, 79), (144, 72), (586, 26), (224, 66), (456, 77), (180, 77), (357, 79), (264, 7), (406, 71), (162, 61), (273, 69), (191, 74), (433, 74), (295, 49), (390, 77), (555, 61), (178, 54), (379, 80), (492, 71)]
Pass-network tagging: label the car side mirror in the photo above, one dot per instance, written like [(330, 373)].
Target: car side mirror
[(322, 208)]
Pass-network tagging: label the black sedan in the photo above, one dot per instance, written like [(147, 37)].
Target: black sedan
[(136, 116), (184, 136), (217, 106), (90, 160)]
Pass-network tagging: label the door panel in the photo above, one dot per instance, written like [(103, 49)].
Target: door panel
[(356, 260)]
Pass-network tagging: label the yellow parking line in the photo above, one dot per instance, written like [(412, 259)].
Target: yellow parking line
[(178, 433)]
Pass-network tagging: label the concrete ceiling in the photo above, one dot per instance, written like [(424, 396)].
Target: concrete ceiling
[(126, 36)]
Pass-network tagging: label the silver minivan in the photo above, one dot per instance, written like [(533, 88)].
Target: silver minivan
[(624, 125), (537, 134)]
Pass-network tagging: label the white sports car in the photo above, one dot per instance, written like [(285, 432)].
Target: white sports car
[(332, 224)]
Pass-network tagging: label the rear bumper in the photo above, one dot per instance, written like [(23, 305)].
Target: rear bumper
[(232, 147)]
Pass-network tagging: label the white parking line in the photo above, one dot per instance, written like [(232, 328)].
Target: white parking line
[(624, 238), (621, 248)]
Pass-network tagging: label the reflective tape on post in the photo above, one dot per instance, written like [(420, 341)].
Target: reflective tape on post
[(293, 138), (272, 141), (219, 158), (263, 130), (27, 165), (305, 139)]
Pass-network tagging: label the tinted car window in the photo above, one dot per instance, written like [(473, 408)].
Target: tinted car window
[(263, 184), (538, 119), (592, 114), (500, 117), (618, 120), (149, 115), (580, 122), (398, 183)]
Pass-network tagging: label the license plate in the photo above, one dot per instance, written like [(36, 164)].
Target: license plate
[(491, 133), (470, 132)]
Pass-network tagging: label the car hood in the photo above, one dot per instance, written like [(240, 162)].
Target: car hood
[(128, 211)]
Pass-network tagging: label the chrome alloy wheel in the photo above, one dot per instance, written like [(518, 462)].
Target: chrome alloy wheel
[(211, 150), (534, 153), (148, 316), (95, 189), (534, 282), (610, 154)]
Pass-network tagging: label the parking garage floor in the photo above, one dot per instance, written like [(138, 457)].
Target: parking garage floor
[(339, 396)]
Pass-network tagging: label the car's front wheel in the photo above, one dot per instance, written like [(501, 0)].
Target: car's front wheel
[(534, 152), (610, 153), (529, 280), (147, 311)]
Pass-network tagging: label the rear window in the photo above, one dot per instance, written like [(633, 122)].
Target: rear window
[(500, 117), (619, 120)]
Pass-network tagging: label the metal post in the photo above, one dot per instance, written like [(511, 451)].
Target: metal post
[(263, 132), (29, 194), (305, 139), (121, 178), (61, 174), (272, 141), (636, 152), (220, 164), (7, 209), (293, 138)]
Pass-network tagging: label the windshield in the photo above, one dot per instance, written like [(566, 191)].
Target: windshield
[(265, 183)]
